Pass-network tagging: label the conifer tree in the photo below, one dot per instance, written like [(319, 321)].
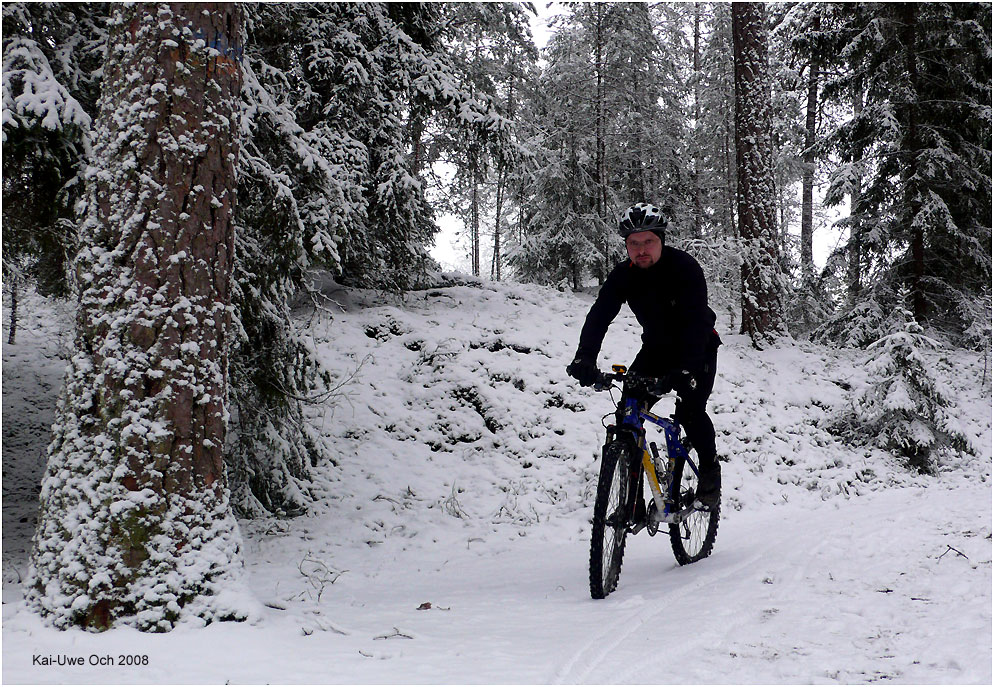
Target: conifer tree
[(800, 40), (608, 123), (327, 174), (715, 135), (51, 54), (301, 189), (561, 239), (135, 523), (711, 152), (918, 148), (903, 408), (491, 51)]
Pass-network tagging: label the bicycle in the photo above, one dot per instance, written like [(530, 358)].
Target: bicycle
[(626, 460)]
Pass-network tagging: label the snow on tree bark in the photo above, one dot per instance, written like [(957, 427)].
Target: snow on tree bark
[(135, 524), (808, 175), (854, 271), (762, 281)]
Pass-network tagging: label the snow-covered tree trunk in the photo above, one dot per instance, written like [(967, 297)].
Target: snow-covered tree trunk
[(474, 214), (496, 257), (135, 524), (600, 145), (762, 281), (912, 145), (808, 175), (697, 144), (854, 271), (13, 282)]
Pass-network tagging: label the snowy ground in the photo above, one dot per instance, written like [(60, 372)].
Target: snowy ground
[(461, 476)]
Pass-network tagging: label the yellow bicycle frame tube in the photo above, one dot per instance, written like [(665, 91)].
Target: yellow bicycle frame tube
[(650, 470)]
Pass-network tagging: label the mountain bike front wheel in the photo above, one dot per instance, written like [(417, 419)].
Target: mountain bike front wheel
[(692, 538), (610, 525)]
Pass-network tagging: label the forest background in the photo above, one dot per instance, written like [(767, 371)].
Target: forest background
[(358, 125)]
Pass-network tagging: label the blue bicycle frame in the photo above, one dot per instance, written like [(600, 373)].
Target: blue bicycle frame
[(632, 417)]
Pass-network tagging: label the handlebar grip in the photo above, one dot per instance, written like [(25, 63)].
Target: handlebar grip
[(654, 385)]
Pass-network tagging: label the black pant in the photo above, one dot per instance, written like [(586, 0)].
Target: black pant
[(691, 412)]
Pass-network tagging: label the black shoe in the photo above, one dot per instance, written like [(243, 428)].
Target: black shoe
[(708, 486)]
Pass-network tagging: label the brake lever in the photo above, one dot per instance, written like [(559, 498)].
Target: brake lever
[(603, 383), (655, 386)]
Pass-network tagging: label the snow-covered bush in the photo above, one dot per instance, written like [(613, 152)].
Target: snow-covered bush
[(859, 327), (975, 315), (903, 409)]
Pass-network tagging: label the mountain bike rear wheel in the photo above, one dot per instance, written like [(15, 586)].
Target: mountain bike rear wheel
[(693, 538), (607, 541)]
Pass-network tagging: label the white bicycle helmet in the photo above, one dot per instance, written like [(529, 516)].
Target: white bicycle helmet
[(641, 217)]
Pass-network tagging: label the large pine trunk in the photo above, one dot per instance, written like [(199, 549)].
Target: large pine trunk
[(135, 523), (762, 307)]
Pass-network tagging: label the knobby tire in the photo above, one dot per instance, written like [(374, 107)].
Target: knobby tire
[(610, 524), (693, 538)]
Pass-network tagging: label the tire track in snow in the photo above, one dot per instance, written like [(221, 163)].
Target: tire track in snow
[(719, 629), (579, 666), (725, 621), (790, 559)]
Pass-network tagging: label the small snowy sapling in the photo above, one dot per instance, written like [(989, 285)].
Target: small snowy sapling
[(904, 408)]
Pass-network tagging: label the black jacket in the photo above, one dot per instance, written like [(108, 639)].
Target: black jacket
[(670, 301)]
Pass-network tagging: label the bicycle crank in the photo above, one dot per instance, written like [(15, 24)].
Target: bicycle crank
[(655, 519)]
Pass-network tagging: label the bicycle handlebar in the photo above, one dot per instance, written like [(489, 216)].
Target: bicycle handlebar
[(654, 385)]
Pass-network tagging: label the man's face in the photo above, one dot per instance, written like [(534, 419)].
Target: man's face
[(644, 248)]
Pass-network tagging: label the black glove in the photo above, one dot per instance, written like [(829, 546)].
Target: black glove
[(682, 381), (583, 371), (663, 386)]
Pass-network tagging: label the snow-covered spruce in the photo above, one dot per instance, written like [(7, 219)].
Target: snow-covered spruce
[(32, 92), (135, 524), (904, 409)]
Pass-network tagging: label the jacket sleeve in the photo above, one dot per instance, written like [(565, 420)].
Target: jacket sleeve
[(609, 301), (694, 319)]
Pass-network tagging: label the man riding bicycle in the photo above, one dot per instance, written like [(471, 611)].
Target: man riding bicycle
[(666, 290)]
